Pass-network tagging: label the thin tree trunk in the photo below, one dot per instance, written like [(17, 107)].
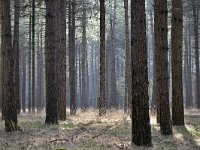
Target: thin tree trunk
[(84, 100), (196, 45), (80, 76), (102, 104), (113, 86), (128, 93), (72, 69), (16, 54), (29, 63), (33, 58), (153, 101), (189, 102), (24, 83)]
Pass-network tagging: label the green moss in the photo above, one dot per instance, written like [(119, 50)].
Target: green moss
[(60, 149)]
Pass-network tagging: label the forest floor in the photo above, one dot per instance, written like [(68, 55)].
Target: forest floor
[(87, 131)]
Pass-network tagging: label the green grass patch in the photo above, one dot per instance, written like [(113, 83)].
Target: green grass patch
[(60, 149)]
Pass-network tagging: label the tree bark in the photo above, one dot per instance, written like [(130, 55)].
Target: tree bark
[(113, 86), (16, 54), (10, 111), (189, 98), (128, 93), (141, 129), (24, 83), (102, 104), (33, 58), (72, 68), (196, 46), (161, 60), (61, 63), (29, 63), (51, 96), (84, 99), (177, 45)]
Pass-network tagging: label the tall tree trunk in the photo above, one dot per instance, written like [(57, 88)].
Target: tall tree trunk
[(185, 71), (84, 100), (128, 93), (72, 69), (1, 77), (33, 58), (177, 45), (61, 61), (38, 75), (87, 78), (153, 101), (161, 61), (102, 104), (189, 101), (16, 54), (29, 63), (51, 99), (10, 110), (80, 75), (92, 79), (196, 45), (113, 86), (24, 82), (95, 79), (42, 70), (141, 129)]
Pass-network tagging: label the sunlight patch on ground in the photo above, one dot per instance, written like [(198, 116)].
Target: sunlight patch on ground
[(88, 131)]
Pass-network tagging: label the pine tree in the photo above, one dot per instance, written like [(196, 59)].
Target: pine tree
[(51, 99), (161, 60), (102, 105), (141, 129), (177, 44), (10, 110)]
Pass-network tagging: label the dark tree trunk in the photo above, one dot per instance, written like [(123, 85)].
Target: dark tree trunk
[(29, 63), (161, 61), (51, 99), (61, 63), (84, 98), (72, 69), (33, 58), (177, 45), (80, 74), (16, 54), (102, 104), (10, 111), (24, 83), (141, 129)]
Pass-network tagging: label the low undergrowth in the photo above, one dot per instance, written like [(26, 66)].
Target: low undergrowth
[(87, 131)]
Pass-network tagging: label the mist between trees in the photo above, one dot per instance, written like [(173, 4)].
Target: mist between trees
[(137, 56)]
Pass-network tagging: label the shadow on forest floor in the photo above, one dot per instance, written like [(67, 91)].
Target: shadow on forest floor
[(87, 131)]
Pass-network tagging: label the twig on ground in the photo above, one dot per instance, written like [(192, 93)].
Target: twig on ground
[(56, 140)]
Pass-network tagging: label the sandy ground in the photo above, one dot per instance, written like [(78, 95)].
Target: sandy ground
[(87, 131)]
